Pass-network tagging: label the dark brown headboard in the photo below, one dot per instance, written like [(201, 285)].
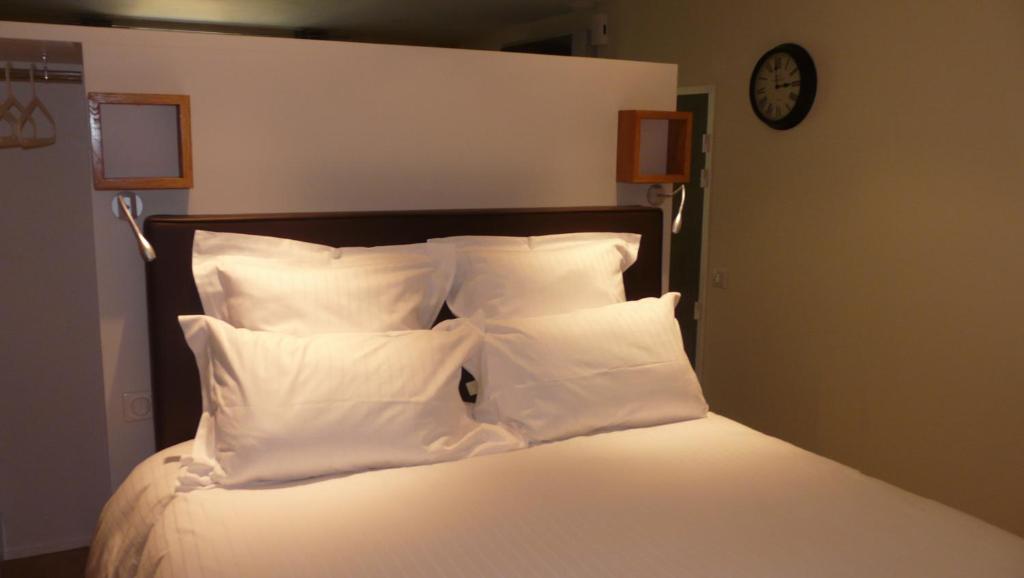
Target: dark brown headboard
[(172, 292)]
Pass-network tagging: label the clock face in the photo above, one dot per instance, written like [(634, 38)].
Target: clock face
[(783, 85), (777, 86)]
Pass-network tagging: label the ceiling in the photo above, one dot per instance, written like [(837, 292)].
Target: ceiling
[(426, 22)]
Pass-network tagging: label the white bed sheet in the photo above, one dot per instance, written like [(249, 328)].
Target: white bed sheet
[(702, 498)]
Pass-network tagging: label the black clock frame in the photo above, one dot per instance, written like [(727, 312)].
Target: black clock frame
[(808, 86)]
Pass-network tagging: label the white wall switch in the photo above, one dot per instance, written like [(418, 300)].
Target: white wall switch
[(720, 278)]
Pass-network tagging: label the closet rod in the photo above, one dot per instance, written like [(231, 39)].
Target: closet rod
[(21, 74)]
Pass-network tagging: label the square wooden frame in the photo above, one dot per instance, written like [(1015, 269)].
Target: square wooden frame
[(680, 141), (101, 182)]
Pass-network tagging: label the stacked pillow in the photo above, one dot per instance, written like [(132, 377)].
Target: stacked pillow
[(610, 367), (282, 407), (529, 276), (272, 284), (563, 352), (316, 360)]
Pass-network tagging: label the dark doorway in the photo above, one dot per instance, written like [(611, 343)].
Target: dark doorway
[(684, 270), (557, 46)]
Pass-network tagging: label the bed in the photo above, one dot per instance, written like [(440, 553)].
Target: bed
[(699, 497)]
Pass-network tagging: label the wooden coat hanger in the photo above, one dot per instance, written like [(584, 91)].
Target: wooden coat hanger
[(11, 112), (11, 119), (35, 105)]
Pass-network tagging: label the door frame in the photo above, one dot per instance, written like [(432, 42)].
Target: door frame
[(706, 220)]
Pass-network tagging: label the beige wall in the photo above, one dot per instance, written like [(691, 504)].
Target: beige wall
[(53, 443), (290, 125), (875, 252)]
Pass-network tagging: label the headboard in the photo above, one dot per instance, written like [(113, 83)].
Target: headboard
[(171, 290)]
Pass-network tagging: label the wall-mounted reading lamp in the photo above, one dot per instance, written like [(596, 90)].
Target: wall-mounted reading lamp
[(128, 206), (654, 147), (656, 195)]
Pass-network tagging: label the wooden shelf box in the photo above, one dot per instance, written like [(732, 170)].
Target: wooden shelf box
[(634, 165)]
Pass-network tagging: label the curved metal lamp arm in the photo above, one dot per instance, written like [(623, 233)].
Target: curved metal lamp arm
[(656, 194), (147, 251)]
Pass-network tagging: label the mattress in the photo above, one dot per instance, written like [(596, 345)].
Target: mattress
[(704, 498)]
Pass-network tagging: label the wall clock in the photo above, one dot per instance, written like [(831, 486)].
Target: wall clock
[(783, 85)]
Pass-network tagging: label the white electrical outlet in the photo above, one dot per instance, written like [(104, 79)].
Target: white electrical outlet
[(136, 405)]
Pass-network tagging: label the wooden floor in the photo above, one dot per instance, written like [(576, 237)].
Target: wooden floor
[(67, 564)]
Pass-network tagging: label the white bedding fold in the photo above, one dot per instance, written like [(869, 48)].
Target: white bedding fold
[(707, 497), (132, 512)]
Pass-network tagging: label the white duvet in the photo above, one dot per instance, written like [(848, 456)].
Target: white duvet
[(703, 498)]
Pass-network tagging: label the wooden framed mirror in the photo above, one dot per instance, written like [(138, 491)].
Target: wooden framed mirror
[(140, 141)]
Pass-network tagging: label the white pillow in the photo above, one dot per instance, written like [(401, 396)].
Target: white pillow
[(280, 407), (617, 366), (528, 276), (272, 284), (357, 294)]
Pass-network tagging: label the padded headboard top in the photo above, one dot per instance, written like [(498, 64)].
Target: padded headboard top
[(171, 290)]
